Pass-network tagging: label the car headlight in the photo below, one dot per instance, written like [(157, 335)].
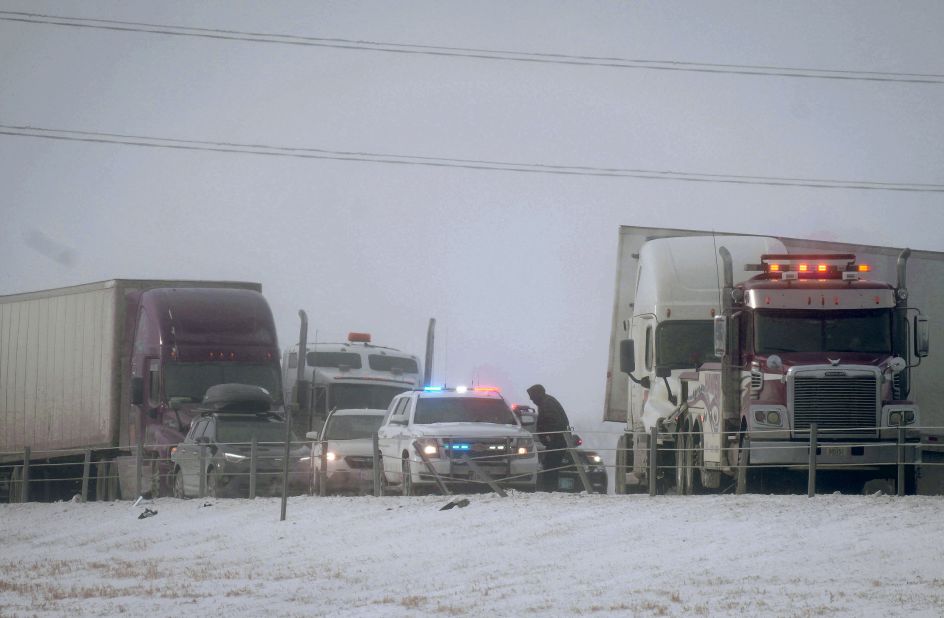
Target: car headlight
[(331, 456), (593, 458), (428, 447), (524, 446), (234, 457)]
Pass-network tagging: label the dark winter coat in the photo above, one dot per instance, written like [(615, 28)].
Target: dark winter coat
[(551, 417)]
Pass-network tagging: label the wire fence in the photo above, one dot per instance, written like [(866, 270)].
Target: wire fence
[(658, 462)]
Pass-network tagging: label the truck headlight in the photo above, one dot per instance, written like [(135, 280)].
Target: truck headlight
[(234, 457), (594, 458), (523, 446), (902, 416)]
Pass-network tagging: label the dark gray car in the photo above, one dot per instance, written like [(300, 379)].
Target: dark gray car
[(218, 448)]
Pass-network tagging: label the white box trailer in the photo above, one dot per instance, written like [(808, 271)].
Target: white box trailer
[(71, 357), (925, 277)]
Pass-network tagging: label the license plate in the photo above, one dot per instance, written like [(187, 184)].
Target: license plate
[(837, 451)]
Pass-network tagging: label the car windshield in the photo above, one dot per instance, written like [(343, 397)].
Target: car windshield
[(431, 410), (192, 380), (867, 331), (242, 431), (352, 427)]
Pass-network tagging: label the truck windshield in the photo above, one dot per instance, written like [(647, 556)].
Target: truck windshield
[(193, 379), (352, 427), (239, 432), (462, 410), (380, 362), (685, 344), (866, 331), (372, 396)]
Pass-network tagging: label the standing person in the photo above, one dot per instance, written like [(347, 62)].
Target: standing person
[(551, 421)]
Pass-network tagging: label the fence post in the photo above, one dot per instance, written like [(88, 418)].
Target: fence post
[(811, 482), (377, 470), (24, 488), (202, 471), (323, 470), (578, 463), (85, 474), (653, 454), (139, 469), (253, 454), (900, 452)]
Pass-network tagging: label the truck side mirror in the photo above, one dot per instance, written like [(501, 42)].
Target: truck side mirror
[(721, 335), (627, 356), (922, 336), (137, 391)]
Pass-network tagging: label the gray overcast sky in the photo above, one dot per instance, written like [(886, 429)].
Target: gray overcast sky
[(517, 268)]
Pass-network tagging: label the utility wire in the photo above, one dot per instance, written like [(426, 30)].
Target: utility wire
[(444, 162), (471, 52)]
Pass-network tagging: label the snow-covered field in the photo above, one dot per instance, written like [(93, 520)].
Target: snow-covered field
[(544, 554)]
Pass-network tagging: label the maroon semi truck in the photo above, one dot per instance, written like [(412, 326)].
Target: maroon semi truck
[(116, 368)]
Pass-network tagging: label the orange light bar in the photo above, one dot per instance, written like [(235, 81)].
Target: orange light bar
[(775, 268), (804, 268), (822, 268), (864, 268), (358, 337), (486, 389)]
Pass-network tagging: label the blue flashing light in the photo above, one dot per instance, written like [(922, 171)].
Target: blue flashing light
[(459, 447), (432, 388)]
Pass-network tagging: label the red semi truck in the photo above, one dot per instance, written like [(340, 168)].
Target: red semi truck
[(116, 368), (736, 346)]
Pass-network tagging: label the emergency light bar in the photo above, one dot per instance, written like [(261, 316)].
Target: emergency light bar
[(358, 337), (795, 266)]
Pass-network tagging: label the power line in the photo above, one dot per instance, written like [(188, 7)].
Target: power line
[(445, 162), (471, 52)]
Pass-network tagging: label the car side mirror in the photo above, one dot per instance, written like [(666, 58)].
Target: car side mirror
[(922, 336), (137, 391), (627, 358), (721, 335), (312, 435)]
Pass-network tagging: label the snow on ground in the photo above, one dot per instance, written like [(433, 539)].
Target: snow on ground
[(543, 554)]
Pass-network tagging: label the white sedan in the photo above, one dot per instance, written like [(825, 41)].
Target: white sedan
[(451, 427), (348, 436)]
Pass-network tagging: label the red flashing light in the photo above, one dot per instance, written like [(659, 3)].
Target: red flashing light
[(486, 389), (358, 337), (803, 268), (864, 268), (822, 268)]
